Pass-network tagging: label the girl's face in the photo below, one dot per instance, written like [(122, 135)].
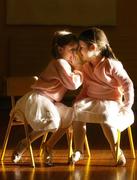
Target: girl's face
[(85, 51), (69, 52)]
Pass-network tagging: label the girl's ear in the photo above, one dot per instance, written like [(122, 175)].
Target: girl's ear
[(60, 49)]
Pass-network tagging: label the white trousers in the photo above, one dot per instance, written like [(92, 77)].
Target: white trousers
[(79, 131), (66, 116), (104, 112)]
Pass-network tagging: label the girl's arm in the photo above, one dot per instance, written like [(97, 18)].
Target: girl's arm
[(70, 79), (126, 83)]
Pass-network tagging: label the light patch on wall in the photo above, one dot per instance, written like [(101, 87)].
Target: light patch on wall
[(61, 12)]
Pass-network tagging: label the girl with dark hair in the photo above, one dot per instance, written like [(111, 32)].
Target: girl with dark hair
[(41, 106), (107, 94)]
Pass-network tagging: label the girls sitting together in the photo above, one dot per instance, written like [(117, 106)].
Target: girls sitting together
[(106, 96)]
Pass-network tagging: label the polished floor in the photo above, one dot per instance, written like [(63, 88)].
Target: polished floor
[(100, 167)]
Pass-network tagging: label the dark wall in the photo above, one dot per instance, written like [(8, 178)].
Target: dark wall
[(25, 50)]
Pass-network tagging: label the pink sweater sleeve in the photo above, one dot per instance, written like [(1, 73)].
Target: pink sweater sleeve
[(124, 80), (70, 79)]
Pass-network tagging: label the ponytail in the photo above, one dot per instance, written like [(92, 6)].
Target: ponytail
[(108, 52)]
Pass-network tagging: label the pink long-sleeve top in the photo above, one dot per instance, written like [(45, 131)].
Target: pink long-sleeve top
[(108, 80), (57, 78)]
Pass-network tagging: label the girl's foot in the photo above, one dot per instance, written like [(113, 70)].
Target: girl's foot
[(121, 159), (47, 155), (76, 157), (18, 152), (16, 157)]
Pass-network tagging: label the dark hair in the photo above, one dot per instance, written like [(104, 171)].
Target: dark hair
[(60, 39), (97, 36)]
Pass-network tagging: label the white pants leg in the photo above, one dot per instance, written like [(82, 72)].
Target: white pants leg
[(55, 137), (111, 136), (22, 145), (79, 131), (66, 114)]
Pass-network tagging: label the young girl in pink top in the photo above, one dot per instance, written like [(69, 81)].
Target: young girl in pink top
[(107, 94), (41, 106)]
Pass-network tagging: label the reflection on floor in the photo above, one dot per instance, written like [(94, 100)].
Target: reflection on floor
[(101, 166)]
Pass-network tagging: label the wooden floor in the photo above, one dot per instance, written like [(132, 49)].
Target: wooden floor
[(100, 167)]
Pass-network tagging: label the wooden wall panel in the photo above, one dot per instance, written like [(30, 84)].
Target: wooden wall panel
[(28, 55)]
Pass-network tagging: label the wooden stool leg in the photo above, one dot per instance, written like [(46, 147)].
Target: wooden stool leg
[(118, 144), (43, 141), (6, 139), (29, 143), (131, 142), (87, 146)]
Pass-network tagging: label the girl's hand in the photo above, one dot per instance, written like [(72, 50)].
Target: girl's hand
[(76, 63)]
